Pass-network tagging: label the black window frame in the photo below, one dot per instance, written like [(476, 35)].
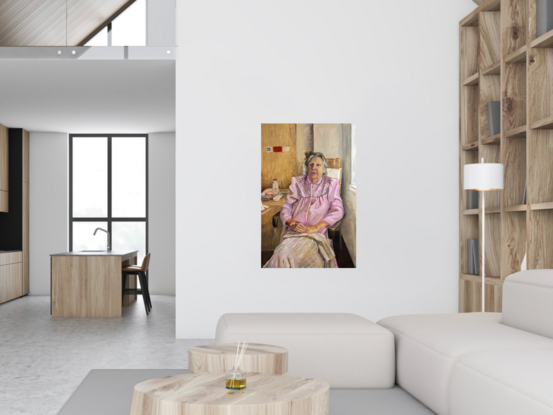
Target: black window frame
[(109, 219)]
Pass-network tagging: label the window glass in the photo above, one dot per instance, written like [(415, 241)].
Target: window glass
[(84, 238), (130, 236), (90, 177), (101, 38), (129, 28), (128, 156)]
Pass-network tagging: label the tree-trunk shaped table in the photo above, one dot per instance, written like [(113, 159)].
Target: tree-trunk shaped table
[(205, 394), (260, 358)]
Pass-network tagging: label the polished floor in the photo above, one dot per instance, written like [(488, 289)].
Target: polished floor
[(43, 360)]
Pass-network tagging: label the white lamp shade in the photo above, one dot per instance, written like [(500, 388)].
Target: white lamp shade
[(483, 176)]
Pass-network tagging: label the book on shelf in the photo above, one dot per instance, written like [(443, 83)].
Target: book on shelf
[(472, 199), (494, 120), (544, 17), (524, 196)]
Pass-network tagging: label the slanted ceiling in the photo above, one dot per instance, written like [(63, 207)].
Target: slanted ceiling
[(55, 22), (479, 2)]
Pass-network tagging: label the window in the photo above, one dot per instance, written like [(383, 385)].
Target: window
[(127, 29), (108, 185)]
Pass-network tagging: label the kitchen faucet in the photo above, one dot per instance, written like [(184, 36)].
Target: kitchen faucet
[(109, 238)]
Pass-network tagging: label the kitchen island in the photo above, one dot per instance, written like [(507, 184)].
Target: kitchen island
[(88, 284)]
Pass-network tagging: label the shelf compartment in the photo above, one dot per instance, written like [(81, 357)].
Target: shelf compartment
[(468, 212), (541, 206), (519, 132), (543, 124), (469, 39), (473, 18), (493, 244), (469, 115), (514, 161), (513, 240), (490, 90), (540, 236), (471, 146), (490, 43), (515, 208), (540, 171), (493, 211), (540, 89), (518, 56), (494, 139), (513, 23), (472, 80), (493, 69), (513, 98), (544, 41)]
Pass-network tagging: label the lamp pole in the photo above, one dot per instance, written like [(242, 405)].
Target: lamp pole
[(483, 192)]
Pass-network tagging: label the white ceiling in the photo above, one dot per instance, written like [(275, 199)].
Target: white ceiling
[(87, 96)]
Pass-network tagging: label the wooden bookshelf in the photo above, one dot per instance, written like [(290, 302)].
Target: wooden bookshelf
[(498, 44)]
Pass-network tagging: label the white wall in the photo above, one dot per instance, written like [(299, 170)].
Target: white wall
[(48, 220), (162, 212), (160, 22), (390, 68)]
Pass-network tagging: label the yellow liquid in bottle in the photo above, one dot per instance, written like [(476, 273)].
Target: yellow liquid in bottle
[(236, 384)]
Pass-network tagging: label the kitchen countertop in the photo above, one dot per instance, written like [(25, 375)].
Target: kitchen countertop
[(102, 253), (13, 250)]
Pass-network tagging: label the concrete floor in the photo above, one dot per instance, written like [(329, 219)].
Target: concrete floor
[(43, 360)]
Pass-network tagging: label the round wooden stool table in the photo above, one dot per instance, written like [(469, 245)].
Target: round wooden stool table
[(205, 394), (259, 358)]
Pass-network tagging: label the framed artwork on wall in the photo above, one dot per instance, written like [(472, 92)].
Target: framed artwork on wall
[(308, 196)]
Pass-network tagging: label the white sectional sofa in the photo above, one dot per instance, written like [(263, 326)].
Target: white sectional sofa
[(345, 350), (482, 363)]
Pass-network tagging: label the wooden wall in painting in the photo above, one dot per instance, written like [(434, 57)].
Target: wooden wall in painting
[(304, 143), (280, 166), (328, 140)]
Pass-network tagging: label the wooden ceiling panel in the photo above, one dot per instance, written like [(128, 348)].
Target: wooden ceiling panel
[(85, 18), (55, 22), (32, 23)]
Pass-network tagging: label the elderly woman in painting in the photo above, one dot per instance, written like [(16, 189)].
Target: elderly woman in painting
[(313, 204)]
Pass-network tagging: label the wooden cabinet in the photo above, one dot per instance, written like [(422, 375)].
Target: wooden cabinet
[(4, 167), (11, 281), (14, 225)]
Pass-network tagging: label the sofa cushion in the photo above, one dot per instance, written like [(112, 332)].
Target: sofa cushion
[(346, 350), (503, 382), (528, 301), (427, 347)]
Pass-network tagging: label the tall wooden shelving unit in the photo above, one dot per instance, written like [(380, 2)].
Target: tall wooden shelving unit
[(502, 60)]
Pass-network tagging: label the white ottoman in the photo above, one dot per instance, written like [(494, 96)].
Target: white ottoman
[(345, 350)]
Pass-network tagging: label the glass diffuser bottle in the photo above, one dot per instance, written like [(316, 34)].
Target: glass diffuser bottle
[(236, 379)]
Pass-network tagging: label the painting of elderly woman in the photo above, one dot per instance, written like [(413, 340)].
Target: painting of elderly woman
[(308, 213)]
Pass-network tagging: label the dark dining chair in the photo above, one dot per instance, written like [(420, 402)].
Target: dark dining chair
[(140, 271)]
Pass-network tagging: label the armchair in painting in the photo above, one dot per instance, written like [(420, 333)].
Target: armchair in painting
[(334, 171)]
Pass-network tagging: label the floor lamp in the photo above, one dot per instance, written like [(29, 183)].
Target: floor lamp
[(483, 177)]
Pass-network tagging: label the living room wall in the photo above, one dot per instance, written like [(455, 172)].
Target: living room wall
[(390, 68)]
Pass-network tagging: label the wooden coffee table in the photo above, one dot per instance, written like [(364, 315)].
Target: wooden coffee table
[(260, 358), (205, 394)]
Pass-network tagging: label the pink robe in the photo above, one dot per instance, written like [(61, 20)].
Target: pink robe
[(311, 204)]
